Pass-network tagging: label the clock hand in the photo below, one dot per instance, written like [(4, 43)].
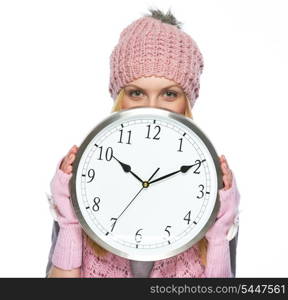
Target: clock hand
[(165, 176), (183, 169), (136, 196), (153, 174), (126, 168), (130, 203)]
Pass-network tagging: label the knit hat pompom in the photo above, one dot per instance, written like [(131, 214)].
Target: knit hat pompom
[(156, 45), (168, 18)]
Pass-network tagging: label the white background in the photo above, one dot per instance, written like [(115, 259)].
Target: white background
[(54, 76)]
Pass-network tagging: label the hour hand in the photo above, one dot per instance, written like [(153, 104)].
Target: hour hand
[(126, 168)]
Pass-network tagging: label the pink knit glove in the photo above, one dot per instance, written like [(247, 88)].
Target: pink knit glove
[(67, 254), (227, 215)]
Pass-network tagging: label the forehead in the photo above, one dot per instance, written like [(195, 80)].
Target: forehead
[(153, 83)]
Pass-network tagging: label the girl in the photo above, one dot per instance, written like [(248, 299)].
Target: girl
[(154, 64)]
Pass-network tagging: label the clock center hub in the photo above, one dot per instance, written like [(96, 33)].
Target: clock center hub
[(145, 184)]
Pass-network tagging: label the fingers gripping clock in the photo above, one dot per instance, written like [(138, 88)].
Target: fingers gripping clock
[(145, 183)]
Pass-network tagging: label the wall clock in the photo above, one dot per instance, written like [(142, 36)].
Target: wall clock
[(145, 183)]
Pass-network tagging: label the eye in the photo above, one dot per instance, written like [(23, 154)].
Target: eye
[(135, 93), (171, 94)]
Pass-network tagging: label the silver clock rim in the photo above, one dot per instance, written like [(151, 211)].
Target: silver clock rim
[(128, 113)]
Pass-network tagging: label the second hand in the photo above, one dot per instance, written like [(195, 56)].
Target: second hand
[(135, 196)]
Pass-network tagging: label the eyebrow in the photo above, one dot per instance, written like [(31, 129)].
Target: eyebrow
[(165, 88)]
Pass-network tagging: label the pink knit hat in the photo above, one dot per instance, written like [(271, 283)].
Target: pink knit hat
[(150, 47)]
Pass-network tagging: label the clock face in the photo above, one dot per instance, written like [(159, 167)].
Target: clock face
[(145, 183)]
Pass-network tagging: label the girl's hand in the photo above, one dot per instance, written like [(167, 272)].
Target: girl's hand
[(228, 212), (227, 173), (66, 165), (60, 189), (67, 253)]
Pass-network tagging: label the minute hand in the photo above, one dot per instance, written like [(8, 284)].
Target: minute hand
[(183, 169)]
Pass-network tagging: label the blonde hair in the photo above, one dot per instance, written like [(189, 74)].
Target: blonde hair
[(202, 244)]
